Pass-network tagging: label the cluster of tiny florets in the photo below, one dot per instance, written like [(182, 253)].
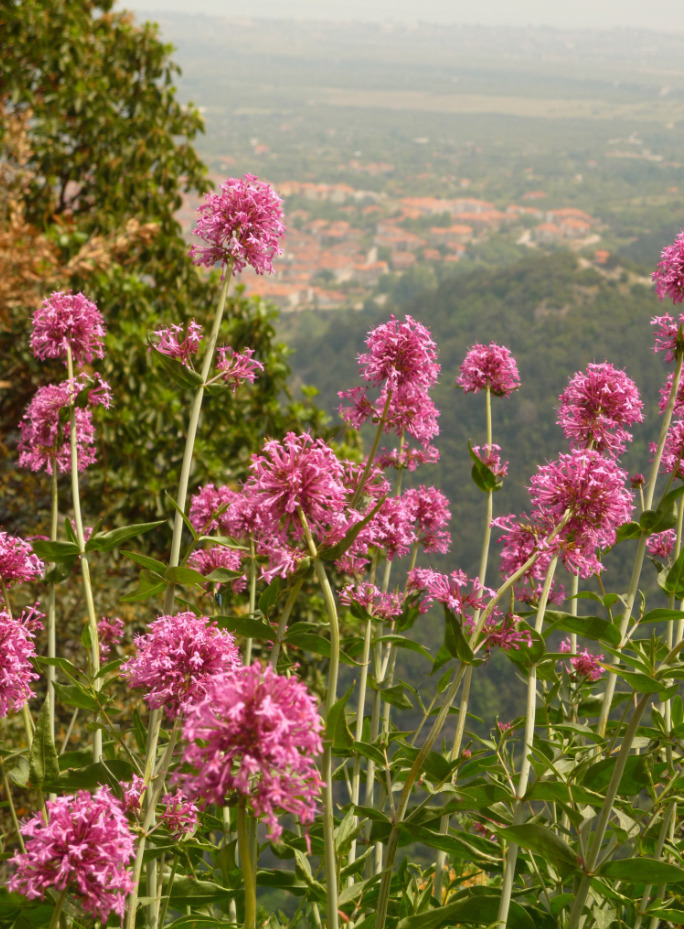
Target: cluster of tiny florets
[(18, 563), (17, 648), (177, 657), (660, 545), (254, 736), (669, 335), (242, 224), (669, 275), (84, 847), (489, 366), (68, 321), (377, 604), (171, 344)]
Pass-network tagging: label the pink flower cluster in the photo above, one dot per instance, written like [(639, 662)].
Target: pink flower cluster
[(84, 847), (596, 406), (177, 658), (455, 590), (669, 337), (179, 814), (672, 461), (18, 563), (430, 509), (386, 606), (661, 544), (45, 438), (585, 665), (17, 648), (489, 366), (505, 634), (591, 489), (521, 539), (170, 343), (207, 560), (254, 734), (669, 275), (243, 224), (109, 632), (68, 320), (490, 455), (237, 367)]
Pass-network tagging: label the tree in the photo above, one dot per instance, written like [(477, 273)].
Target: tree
[(96, 156)]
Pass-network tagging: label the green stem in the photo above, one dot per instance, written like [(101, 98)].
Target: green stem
[(252, 597), (54, 919), (167, 897), (282, 622), (358, 734), (248, 875), (369, 462), (331, 697), (51, 606), (195, 411), (525, 764), (660, 844), (85, 567), (10, 803)]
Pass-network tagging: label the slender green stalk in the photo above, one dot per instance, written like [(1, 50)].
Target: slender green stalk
[(248, 875), (195, 411), (56, 913), (641, 546), (167, 897), (252, 597), (658, 851), (369, 462), (358, 733), (525, 764), (85, 567), (331, 697), (282, 622), (51, 605), (10, 803)]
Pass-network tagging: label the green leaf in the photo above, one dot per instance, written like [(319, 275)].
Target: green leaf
[(540, 839), (642, 683), (336, 728), (674, 581), (185, 577), (478, 909), (369, 751), (58, 552), (108, 541), (309, 642), (247, 626), (64, 664), (629, 530), (179, 374), (524, 657), (190, 891), (396, 696), (671, 916), (148, 586), (454, 640), (152, 565), (642, 871), (43, 761), (591, 627), (201, 922), (269, 597), (69, 531), (661, 616), (347, 830), (110, 772), (400, 641), (75, 695), (635, 777), (483, 476)]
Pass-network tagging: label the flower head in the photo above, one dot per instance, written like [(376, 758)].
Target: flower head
[(219, 557), (669, 275), (255, 735), (236, 367), (109, 632), (672, 461), (669, 335), (383, 606), (84, 847), (179, 814), (521, 539), (177, 658), (490, 366), (68, 321), (208, 509), (17, 648), (18, 563), (596, 406), (170, 344), (431, 512), (400, 355), (243, 224), (587, 665), (490, 456), (455, 590), (660, 545)]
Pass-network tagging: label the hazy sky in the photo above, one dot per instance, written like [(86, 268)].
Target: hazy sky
[(660, 15)]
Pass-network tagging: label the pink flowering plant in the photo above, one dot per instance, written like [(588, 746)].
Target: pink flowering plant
[(253, 726)]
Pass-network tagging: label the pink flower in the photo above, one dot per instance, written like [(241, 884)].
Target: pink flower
[(669, 275), (592, 489), (565, 646), (208, 509), (109, 632), (254, 736), (596, 406), (665, 390), (17, 648), (672, 461), (84, 847), (490, 366), (243, 224), (504, 727), (449, 589), (431, 512), (668, 335), (177, 658), (372, 600), (207, 560), (490, 455), (661, 544), (406, 457), (133, 794), (179, 815), (587, 665), (18, 563), (400, 355), (410, 411), (392, 529), (68, 321), (236, 368), (297, 473), (504, 634), (169, 343), (521, 539), (637, 481), (45, 439)]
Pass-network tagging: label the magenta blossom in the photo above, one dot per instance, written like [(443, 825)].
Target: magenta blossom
[(254, 736), (666, 390), (18, 564), (17, 648), (133, 794), (377, 604), (431, 512), (219, 557), (242, 224), (490, 366), (596, 406), (521, 539), (170, 344), (45, 440), (672, 461), (669, 275), (109, 632), (661, 544), (179, 815), (406, 457), (505, 634), (299, 474), (236, 367), (177, 658), (669, 337), (584, 664), (84, 848), (208, 509), (490, 455), (410, 410), (455, 590), (400, 355), (68, 321)]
